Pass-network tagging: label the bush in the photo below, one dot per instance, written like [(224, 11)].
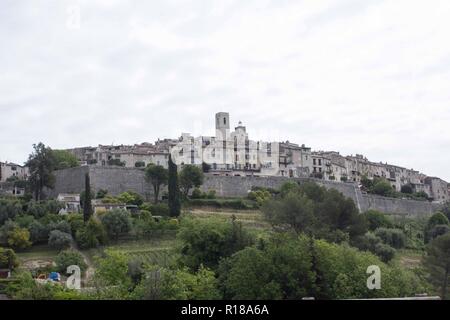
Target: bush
[(438, 230), (382, 188), (196, 194), (62, 226), (59, 240), (238, 204), (160, 209), (385, 252), (394, 237), (377, 220), (211, 194), (206, 241), (9, 209), (116, 222), (38, 232), (367, 242), (436, 219), (101, 193), (67, 258), (260, 196), (76, 222), (8, 259), (19, 238), (91, 235)]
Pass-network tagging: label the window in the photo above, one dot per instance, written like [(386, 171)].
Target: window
[(224, 120), (314, 161), (320, 162)]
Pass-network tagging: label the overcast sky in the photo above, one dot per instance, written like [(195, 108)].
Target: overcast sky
[(370, 77)]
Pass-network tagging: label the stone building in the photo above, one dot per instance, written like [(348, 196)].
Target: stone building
[(295, 161), (11, 170), (228, 152), (330, 165), (125, 155)]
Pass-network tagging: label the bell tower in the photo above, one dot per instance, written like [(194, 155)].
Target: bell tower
[(222, 125)]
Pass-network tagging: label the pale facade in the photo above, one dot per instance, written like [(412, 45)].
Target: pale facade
[(10, 170), (128, 156)]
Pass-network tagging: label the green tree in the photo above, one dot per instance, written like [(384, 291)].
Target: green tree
[(101, 193), (87, 201), (112, 270), (437, 263), (67, 258), (8, 259), (177, 284), (174, 190), (206, 241), (59, 240), (91, 235), (190, 176), (280, 270), (19, 238), (377, 219), (9, 209), (116, 222), (64, 159), (437, 219), (156, 175), (130, 197), (382, 188), (41, 164), (295, 210)]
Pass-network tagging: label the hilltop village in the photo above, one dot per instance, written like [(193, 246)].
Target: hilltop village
[(233, 153)]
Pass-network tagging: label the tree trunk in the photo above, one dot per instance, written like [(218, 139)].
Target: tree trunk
[(156, 191)]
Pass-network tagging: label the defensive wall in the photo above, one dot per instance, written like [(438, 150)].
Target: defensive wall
[(117, 180)]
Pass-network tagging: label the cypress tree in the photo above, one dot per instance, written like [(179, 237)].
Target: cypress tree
[(174, 190), (87, 206)]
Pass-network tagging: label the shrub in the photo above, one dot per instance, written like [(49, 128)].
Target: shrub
[(62, 226), (206, 241), (384, 251), (438, 230), (101, 193), (377, 220), (59, 240), (160, 209), (116, 222), (76, 222), (38, 232), (382, 188), (394, 237), (9, 209), (211, 194), (8, 259), (436, 219), (19, 238), (238, 204), (67, 258), (196, 194), (91, 235), (367, 242)]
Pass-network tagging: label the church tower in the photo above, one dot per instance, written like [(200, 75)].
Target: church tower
[(222, 125)]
